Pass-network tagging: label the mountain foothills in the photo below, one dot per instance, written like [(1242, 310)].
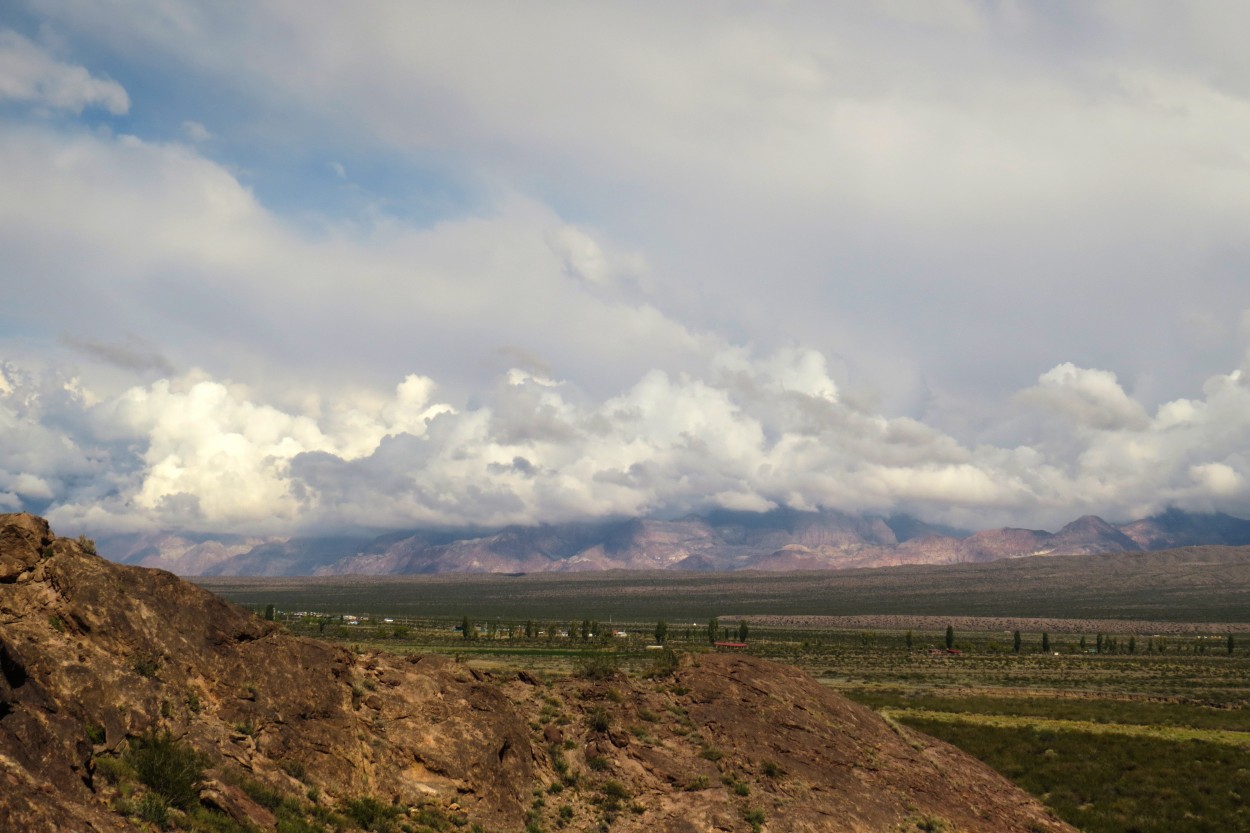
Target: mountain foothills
[(778, 541), (131, 699)]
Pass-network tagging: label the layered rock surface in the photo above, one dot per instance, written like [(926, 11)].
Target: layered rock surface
[(95, 655)]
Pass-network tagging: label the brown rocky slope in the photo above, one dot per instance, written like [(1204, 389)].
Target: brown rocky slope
[(297, 735)]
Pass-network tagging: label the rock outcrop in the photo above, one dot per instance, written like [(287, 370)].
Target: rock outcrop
[(98, 660)]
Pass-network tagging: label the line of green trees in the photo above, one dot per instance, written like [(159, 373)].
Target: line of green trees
[(589, 629)]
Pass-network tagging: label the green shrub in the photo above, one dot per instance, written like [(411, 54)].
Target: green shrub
[(95, 734), (641, 733), (429, 817), (558, 761), (599, 720), (614, 790), (598, 666), (700, 782), (663, 665), (293, 768), (204, 820), (168, 767), (152, 808), (295, 824), (112, 769), (146, 665), (711, 753), (370, 814), (263, 794)]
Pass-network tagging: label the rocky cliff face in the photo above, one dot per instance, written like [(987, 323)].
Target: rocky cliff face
[(99, 662)]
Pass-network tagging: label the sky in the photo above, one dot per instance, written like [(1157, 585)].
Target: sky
[(305, 267)]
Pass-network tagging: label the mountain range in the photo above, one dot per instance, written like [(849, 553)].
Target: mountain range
[(780, 540)]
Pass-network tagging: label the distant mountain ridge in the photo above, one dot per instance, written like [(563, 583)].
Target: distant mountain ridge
[(780, 540)]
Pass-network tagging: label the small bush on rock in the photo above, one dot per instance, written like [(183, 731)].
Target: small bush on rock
[(168, 767), (370, 814)]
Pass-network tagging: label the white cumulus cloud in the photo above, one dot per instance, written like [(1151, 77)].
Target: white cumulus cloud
[(28, 73), (198, 453)]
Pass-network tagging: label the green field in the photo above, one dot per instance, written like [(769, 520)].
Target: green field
[(1115, 783), (1149, 735)]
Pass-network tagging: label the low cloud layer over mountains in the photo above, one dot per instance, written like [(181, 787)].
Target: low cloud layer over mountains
[(198, 454)]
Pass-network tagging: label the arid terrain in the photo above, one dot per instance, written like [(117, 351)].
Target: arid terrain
[(106, 666)]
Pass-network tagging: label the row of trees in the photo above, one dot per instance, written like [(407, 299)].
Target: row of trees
[(589, 629), (1017, 642), (714, 631), (1102, 644)]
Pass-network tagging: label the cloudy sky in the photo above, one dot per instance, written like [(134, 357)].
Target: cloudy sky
[(296, 266)]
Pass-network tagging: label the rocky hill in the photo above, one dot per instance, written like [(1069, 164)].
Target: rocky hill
[(129, 698)]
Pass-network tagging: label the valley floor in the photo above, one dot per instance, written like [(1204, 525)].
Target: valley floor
[(1116, 730)]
